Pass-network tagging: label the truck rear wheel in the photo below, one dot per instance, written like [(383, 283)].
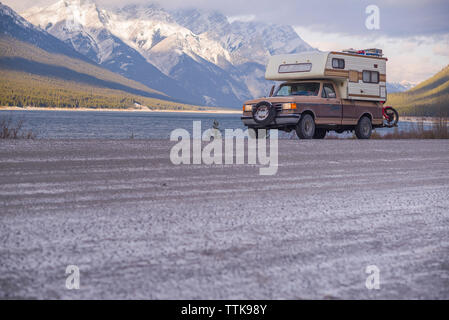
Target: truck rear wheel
[(305, 129), (364, 128)]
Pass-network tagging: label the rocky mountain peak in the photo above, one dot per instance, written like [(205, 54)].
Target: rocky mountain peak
[(219, 62)]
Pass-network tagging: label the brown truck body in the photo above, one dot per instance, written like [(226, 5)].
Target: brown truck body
[(321, 92), (330, 113)]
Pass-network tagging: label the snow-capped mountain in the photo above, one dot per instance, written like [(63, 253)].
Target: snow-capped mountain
[(144, 28), (29, 52), (15, 26), (249, 44), (83, 26), (399, 86), (245, 41), (194, 60), (191, 54)]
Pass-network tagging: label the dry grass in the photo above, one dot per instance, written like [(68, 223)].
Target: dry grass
[(10, 129), (439, 129)]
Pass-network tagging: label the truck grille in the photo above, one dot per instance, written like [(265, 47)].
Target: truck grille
[(278, 106)]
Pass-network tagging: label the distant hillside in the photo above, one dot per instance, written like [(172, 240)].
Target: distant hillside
[(32, 76), (40, 70), (429, 98), (25, 89)]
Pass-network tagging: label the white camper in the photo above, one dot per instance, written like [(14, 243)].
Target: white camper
[(358, 76)]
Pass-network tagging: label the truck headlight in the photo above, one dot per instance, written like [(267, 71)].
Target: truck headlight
[(248, 107), (288, 106)]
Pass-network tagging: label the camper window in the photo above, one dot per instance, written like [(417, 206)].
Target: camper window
[(298, 89), (370, 76), (298, 67), (338, 63)]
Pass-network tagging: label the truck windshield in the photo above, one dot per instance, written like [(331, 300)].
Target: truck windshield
[(298, 89)]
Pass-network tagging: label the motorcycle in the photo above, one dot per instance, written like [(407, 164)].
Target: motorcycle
[(391, 117)]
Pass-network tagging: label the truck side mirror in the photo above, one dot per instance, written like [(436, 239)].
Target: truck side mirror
[(272, 91)]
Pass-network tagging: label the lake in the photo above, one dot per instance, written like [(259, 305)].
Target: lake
[(122, 125)]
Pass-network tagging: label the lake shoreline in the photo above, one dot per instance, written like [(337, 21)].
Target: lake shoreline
[(218, 111), (422, 119)]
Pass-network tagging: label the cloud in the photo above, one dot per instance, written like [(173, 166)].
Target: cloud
[(244, 18), (398, 18), (442, 48)]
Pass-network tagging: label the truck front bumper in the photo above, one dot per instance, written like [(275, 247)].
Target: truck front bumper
[(281, 120)]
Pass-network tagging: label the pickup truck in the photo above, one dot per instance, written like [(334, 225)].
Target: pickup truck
[(312, 108)]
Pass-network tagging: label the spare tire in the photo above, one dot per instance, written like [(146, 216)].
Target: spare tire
[(264, 113)]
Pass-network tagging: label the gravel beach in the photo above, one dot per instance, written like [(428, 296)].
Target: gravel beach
[(140, 227)]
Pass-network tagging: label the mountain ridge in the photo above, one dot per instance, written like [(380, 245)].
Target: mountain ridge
[(80, 24), (176, 42), (34, 73), (428, 98), (196, 56)]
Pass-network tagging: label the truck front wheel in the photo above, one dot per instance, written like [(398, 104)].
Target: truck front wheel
[(305, 129), (364, 128)]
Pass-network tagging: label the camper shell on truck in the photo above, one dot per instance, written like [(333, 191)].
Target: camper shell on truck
[(321, 92)]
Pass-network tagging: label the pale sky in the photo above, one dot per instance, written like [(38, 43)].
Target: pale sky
[(414, 34), (410, 59)]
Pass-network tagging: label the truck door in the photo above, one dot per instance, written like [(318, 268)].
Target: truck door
[(349, 112), (333, 109)]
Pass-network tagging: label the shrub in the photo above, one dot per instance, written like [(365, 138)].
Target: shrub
[(14, 130)]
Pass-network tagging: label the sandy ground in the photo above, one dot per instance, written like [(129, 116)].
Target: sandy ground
[(139, 227)]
